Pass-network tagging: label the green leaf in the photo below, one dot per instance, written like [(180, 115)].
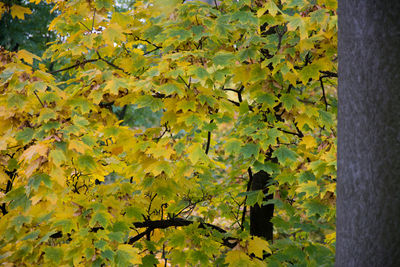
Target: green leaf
[(257, 73), (325, 118), (99, 217), (314, 206), (170, 88), (149, 101), (19, 220), (267, 166), (288, 101), (254, 197), (86, 162), (57, 156), (232, 146), (25, 136), (120, 226), (66, 225), (223, 58), (31, 235), (36, 179), (267, 99), (108, 254), (199, 72), (47, 114), (150, 260), (152, 32), (115, 84), (285, 155), (310, 188), (134, 212), (249, 53), (249, 150), (54, 254), (80, 121)]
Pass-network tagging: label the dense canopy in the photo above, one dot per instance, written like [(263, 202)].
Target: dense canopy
[(133, 139)]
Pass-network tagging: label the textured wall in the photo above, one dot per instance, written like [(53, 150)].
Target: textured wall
[(368, 206)]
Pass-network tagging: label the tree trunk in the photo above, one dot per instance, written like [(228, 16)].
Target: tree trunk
[(368, 188), (260, 217)]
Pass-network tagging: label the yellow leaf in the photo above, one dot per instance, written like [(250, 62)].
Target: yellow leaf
[(57, 174), (27, 56), (331, 187), (196, 153), (165, 6), (291, 77), (78, 146), (161, 149), (330, 238), (33, 166), (19, 11), (303, 119), (133, 252), (261, 11), (2, 8), (257, 246), (3, 177), (39, 149), (237, 258), (311, 189), (114, 33), (308, 141), (35, 199), (241, 74)]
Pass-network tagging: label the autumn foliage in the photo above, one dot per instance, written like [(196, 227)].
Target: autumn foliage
[(239, 86)]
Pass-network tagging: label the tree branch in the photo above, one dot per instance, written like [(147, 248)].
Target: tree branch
[(177, 222), (163, 224), (299, 134), (238, 91), (75, 65), (10, 181), (144, 40), (328, 74), (111, 64)]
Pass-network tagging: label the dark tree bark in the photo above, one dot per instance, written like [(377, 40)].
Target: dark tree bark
[(368, 189), (260, 217)]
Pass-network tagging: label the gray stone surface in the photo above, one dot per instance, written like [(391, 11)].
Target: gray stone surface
[(368, 188)]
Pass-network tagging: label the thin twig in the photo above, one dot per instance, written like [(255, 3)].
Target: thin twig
[(208, 139), (216, 5), (151, 51), (323, 93), (247, 190), (111, 64), (208, 142), (75, 65), (84, 26), (144, 40), (38, 98), (187, 85), (94, 13)]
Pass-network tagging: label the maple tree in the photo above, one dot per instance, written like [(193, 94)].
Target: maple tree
[(235, 88)]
